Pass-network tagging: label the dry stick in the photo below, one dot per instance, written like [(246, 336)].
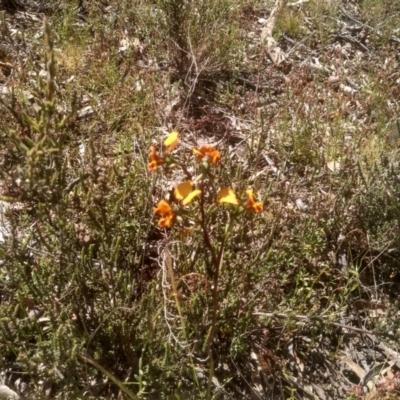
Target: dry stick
[(274, 51)]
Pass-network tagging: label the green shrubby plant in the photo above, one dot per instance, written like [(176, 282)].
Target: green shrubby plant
[(62, 225), (202, 36)]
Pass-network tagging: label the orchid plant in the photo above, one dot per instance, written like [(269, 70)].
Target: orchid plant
[(173, 213)]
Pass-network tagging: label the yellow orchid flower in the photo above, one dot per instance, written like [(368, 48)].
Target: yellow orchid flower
[(171, 142), (252, 204), (206, 150), (227, 195), (184, 191), (155, 159), (166, 212)]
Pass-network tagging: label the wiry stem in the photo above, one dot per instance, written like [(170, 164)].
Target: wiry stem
[(185, 170), (216, 261), (178, 306), (206, 236)]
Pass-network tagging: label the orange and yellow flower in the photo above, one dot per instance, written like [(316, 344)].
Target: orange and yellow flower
[(227, 195), (166, 212), (184, 191), (252, 204), (155, 159), (171, 142), (206, 150)]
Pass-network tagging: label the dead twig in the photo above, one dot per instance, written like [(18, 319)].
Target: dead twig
[(352, 40), (273, 50)]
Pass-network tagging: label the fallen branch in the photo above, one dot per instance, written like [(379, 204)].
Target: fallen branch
[(273, 50)]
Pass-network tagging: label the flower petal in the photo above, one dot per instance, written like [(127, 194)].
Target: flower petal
[(163, 209), (197, 152), (206, 150), (173, 136), (153, 153), (227, 195), (155, 159), (250, 195), (152, 166), (190, 197), (258, 207), (167, 221), (183, 189), (173, 146), (215, 156), (252, 204)]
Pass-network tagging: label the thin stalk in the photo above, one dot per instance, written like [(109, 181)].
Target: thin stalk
[(206, 236), (216, 261), (178, 306), (215, 313)]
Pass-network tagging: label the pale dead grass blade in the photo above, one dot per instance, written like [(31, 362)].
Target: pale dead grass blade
[(273, 50)]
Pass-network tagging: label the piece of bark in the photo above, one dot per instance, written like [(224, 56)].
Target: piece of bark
[(274, 51)]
